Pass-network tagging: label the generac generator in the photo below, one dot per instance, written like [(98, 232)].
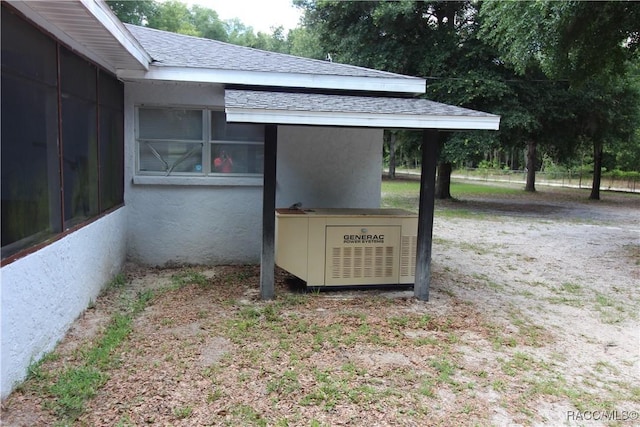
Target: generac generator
[(347, 247)]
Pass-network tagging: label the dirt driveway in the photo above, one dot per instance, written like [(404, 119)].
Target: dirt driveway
[(533, 320)]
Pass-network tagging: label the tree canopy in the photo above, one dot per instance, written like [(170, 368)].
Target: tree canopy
[(569, 39)]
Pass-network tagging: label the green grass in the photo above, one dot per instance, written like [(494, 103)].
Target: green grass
[(69, 388), (405, 194), (182, 412), (188, 277)]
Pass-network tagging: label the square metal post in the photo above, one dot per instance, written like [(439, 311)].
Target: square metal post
[(425, 214), (267, 257)]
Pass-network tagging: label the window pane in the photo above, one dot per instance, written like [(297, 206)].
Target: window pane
[(111, 97), (170, 124), (111, 157), (77, 76), (80, 160), (168, 157), (237, 158), (30, 177), (111, 91), (26, 50), (223, 131)]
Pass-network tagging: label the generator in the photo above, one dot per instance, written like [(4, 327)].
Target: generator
[(347, 247)]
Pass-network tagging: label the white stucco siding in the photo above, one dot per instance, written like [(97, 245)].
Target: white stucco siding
[(214, 223), (194, 225), (44, 292), (329, 167)]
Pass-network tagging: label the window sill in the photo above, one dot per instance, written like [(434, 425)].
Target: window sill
[(217, 181)]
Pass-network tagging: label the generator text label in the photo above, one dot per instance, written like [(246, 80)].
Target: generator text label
[(363, 238)]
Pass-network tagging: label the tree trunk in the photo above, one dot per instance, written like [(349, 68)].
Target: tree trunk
[(531, 166), (392, 155), (597, 170), (443, 181)]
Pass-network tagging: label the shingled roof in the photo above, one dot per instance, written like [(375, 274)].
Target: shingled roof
[(348, 110), (177, 57), (177, 50)]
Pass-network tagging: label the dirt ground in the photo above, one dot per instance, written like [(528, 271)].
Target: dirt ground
[(533, 319)]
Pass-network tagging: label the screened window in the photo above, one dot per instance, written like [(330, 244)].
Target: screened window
[(196, 142), (61, 145)]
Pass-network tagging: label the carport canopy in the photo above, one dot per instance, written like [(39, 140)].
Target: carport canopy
[(374, 111), (386, 112)]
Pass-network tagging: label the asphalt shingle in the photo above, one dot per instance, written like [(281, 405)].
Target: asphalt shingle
[(177, 50), (314, 102)]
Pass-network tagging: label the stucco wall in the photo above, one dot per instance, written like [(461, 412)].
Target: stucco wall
[(217, 223), (329, 167), (43, 293)]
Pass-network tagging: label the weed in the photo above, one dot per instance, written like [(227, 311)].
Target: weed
[(271, 313), (445, 370), (286, 383), (117, 282), (73, 387), (182, 412), (498, 385), (188, 277), (426, 388), (399, 321), (215, 395), (249, 416)]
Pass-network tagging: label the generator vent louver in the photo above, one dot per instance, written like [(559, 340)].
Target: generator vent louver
[(362, 262), (408, 245)]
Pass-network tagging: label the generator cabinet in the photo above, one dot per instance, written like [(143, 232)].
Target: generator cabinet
[(347, 247)]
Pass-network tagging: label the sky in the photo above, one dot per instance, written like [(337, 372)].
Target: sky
[(259, 14)]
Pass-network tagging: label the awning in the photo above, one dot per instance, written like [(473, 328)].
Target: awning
[(250, 106)]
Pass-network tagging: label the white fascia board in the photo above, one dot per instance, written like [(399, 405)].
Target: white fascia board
[(409, 85), (111, 23), (389, 121)]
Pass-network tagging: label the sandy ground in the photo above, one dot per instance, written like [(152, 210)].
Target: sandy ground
[(533, 312)]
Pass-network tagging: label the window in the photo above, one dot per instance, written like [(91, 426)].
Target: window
[(196, 142), (62, 143)]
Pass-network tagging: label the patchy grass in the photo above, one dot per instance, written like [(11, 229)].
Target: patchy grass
[(66, 385), (196, 346)]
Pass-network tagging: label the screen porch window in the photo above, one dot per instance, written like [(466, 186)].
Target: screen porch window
[(62, 138), (196, 142)]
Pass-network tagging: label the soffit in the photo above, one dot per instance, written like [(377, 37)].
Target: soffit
[(89, 27)]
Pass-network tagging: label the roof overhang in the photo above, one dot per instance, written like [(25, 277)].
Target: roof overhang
[(273, 79), (358, 111), (89, 27)]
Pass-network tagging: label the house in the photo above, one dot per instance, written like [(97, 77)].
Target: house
[(121, 142)]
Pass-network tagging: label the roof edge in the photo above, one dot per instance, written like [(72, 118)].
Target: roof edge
[(412, 86), (103, 13), (377, 120)]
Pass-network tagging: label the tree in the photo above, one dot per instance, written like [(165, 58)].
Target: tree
[(208, 24), (303, 41), (136, 12), (584, 42), (173, 16), (434, 39)]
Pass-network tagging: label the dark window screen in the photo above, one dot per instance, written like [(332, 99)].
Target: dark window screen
[(54, 137), (30, 177), (110, 92), (79, 138)]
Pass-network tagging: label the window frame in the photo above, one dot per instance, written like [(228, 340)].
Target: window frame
[(206, 176)]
